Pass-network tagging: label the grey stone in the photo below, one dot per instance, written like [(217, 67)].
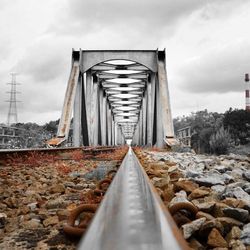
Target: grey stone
[(218, 188), (227, 178), (189, 228), (99, 172), (192, 174), (220, 168), (206, 206), (246, 175), (3, 219), (239, 193), (210, 180), (32, 206), (245, 234), (32, 224), (57, 203), (237, 213)]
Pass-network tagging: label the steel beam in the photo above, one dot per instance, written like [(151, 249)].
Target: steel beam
[(77, 133)]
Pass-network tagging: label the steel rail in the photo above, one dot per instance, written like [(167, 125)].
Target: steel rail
[(132, 215)]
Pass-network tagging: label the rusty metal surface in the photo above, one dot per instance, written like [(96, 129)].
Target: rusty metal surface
[(131, 215), (92, 151), (64, 124)]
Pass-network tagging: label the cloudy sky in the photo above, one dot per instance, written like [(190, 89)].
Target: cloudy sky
[(207, 44)]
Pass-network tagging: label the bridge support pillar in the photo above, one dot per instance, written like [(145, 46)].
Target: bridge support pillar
[(77, 115), (149, 113)]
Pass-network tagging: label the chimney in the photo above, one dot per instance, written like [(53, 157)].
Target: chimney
[(247, 92)]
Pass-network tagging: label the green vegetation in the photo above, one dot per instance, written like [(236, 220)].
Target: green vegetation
[(216, 133)]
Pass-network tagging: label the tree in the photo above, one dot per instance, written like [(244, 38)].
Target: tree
[(219, 141), (237, 122)]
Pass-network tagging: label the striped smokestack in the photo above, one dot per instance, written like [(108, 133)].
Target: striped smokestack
[(247, 92)]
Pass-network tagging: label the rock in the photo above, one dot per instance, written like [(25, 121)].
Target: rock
[(218, 188), (245, 235), (234, 234), (32, 206), (209, 225), (11, 202), (236, 213), (206, 206), (53, 220), (232, 202), (179, 197), (189, 228), (23, 210), (199, 193), (57, 203), (160, 182), (236, 245), (210, 180), (172, 169), (246, 175), (227, 178), (215, 239), (245, 205), (207, 216), (32, 224), (195, 244), (239, 193), (228, 223), (62, 214), (220, 168), (192, 174), (3, 220), (218, 210), (58, 188), (186, 185)]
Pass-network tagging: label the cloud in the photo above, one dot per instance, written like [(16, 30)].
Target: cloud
[(219, 70), (144, 16), (42, 62)]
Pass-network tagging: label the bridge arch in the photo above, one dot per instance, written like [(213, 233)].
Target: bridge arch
[(106, 110)]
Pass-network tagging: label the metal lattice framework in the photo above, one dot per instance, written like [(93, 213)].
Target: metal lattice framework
[(117, 95)]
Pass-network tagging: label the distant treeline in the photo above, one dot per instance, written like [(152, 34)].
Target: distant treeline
[(212, 132)]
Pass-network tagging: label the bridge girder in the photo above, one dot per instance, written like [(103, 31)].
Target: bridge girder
[(117, 95)]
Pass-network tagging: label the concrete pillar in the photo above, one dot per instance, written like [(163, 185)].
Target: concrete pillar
[(135, 140), (149, 113), (112, 132), (109, 128), (154, 113), (168, 129), (144, 118), (100, 111), (94, 111), (159, 125), (140, 128), (89, 87), (84, 122), (77, 115), (104, 118)]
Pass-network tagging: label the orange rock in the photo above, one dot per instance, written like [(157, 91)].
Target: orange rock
[(232, 202), (215, 239), (186, 185), (201, 214), (199, 193)]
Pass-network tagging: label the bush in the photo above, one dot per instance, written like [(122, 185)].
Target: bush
[(219, 142)]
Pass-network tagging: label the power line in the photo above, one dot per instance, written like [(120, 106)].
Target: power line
[(12, 113)]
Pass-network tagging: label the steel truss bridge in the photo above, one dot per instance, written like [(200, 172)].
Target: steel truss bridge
[(117, 95)]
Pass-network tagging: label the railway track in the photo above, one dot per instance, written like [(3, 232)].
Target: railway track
[(131, 214)]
